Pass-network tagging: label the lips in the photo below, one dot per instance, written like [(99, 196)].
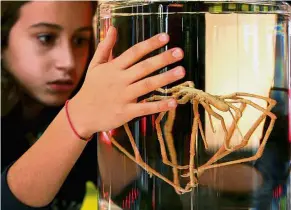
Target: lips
[(61, 85)]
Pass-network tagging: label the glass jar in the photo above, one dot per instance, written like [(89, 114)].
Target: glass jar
[(230, 47)]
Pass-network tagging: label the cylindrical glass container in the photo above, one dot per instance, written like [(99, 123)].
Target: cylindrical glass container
[(236, 53)]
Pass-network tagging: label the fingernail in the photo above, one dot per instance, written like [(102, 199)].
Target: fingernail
[(179, 72), (177, 53), (163, 37), (172, 104)]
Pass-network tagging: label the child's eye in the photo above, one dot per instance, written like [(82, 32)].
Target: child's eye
[(46, 39), (81, 41)]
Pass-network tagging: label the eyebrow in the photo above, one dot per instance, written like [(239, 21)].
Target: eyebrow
[(48, 25), (86, 28), (58, 27)]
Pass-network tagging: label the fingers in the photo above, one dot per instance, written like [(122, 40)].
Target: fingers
[(148, 108), (103, 51), (138, 51), (150, 84), (150, 65)]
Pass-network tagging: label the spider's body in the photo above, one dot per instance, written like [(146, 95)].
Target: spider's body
[(187, 92)]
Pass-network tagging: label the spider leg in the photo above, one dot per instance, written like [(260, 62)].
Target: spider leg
[(168, 127), (185, 99), (222, 151), (176, 88), (239, 115), (187, 84), (219, 117), (160, 139), (211, 123), (193, 180), (271, 101), (146, 167), (255, 157), (200, 124), (236, 99), (132, 142), (169, 139), (266, 112), (157, 98), (202, 133)]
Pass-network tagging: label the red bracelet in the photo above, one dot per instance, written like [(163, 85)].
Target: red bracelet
[(71, 124)]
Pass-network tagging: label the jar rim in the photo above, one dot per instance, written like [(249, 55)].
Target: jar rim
[(251, 6)]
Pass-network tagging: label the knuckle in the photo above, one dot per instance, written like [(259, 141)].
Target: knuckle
[(168, 57), (101, 45), (138, 49), (153, 41), (153, 107), (147, 84), (166, 78), (146, 64), (162, 106), (159, 106), (145, 111), (162, 59), (133, 51)]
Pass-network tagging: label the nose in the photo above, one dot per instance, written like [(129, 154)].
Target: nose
[(65, 59)]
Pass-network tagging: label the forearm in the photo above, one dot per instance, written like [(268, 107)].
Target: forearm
[(43, 168)]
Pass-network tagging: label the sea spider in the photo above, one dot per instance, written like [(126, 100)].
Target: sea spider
[(185, 93)]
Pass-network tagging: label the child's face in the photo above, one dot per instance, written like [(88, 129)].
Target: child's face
[(48, 48)]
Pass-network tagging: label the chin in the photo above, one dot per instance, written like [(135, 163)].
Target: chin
[(57, 103), (54, 101)]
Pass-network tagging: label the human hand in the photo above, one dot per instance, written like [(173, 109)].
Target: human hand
[(108, 96)]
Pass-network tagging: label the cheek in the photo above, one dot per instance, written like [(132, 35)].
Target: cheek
[(23, 56), (29, 78), (24, 60), (26, 67)]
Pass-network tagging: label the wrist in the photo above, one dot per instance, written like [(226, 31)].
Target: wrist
[(77, 120)]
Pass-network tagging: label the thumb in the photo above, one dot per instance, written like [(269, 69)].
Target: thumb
[(104, 48)]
